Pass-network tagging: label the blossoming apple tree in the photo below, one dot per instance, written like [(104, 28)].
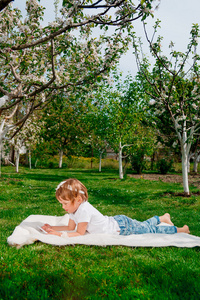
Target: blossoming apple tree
[(175, 88), (37, 61), (27, 138)]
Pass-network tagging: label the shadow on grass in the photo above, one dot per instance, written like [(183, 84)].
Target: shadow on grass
[(62, 174), (118, 195), (44, 285)]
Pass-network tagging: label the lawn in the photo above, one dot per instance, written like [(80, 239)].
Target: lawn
[(41, 271)]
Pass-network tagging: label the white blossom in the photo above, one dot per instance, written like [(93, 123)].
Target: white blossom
[(24, 28), (166, 88), (194, 90), (43, 97), (194, 106), (3, 100), (152, 102), (3, 38)]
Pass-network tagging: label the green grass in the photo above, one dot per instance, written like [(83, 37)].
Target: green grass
[(41, 271)]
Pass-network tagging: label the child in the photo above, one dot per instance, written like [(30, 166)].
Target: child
[(83, 217)]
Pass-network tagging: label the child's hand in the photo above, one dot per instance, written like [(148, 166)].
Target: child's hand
[(54, 232), (46, 227), (49, 229)]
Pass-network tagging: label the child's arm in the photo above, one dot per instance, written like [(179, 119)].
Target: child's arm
[(81, 229), (71, 226)]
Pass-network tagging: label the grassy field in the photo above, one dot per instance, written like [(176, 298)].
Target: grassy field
[(41, 271)]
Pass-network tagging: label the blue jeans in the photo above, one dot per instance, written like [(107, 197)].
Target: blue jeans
[(129, 226)]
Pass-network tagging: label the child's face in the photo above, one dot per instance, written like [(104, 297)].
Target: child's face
[(70, 206)]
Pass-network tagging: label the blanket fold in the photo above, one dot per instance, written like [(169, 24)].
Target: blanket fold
[(27, 232)]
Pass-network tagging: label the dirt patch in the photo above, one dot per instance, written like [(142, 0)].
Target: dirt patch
[(193, 179)]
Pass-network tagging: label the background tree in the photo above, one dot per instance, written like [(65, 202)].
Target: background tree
[(96, 120), (144, 143), (63, 123), (195, 153), (25, 140), (37, 61), (122, 115), (175, 89)]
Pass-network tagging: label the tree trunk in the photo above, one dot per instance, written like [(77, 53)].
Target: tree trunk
[(4, 3), (190, 156), (17, 161), (121, 176), (60, 158), (100, 162), (196, 155), (196, 160), (29, 158), (36, 162), (185, 149), (185, 174), (12, 154)]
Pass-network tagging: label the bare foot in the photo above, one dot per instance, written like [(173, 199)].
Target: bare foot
[(166, 219), (185, 229)]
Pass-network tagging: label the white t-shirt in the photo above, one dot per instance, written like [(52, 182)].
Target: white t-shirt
[(97, 223)]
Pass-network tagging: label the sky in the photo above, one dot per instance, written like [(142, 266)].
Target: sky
[(176, 16)]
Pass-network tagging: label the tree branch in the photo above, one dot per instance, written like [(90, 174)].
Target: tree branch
[(4, 3)]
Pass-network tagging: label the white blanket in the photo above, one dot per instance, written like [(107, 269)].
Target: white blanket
[(27, 233)]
